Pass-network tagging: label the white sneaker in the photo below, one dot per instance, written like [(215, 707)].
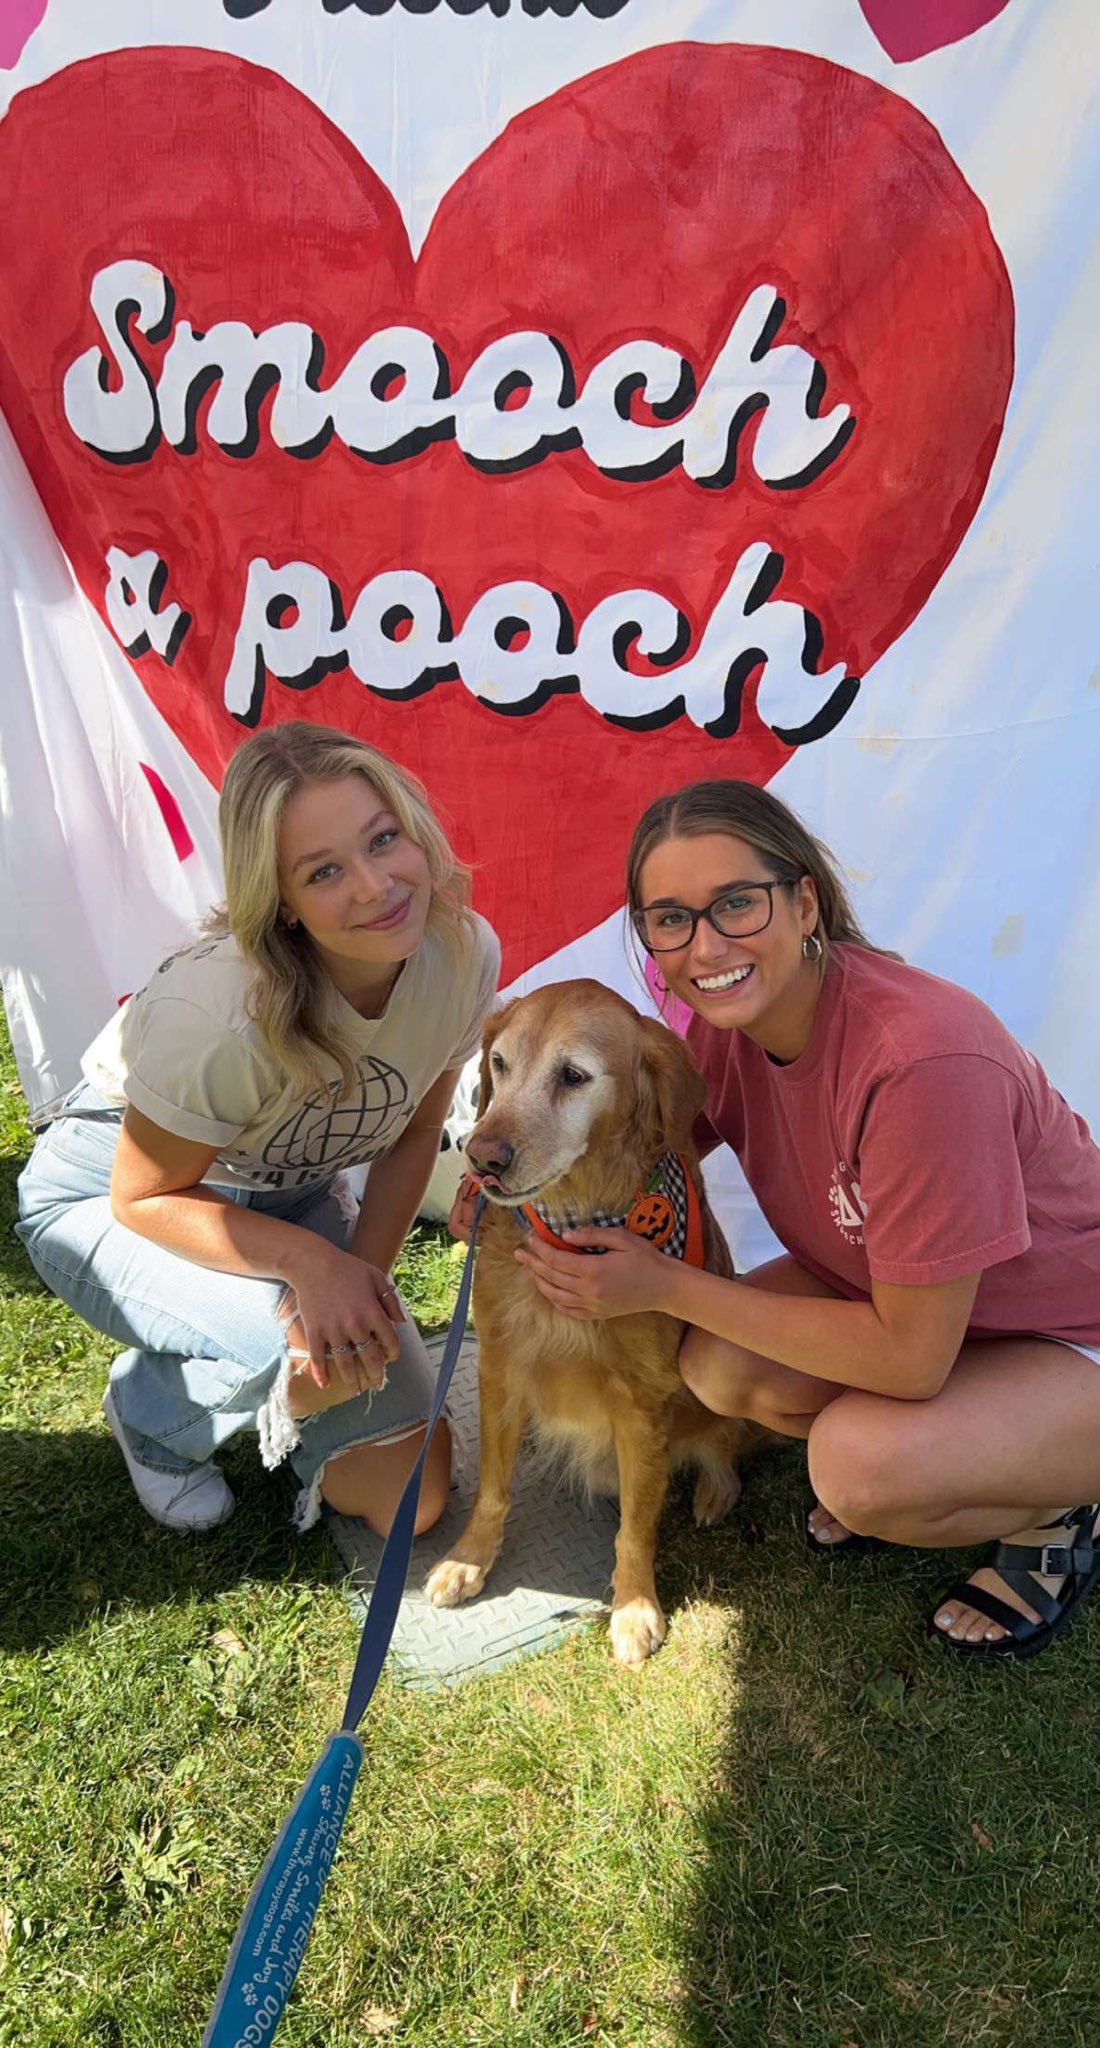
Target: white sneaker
[(196, 1499)]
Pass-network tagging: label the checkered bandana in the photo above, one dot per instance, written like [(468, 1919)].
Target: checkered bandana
[(668, 1178)]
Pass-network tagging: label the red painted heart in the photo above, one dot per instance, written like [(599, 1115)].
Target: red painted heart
[(648, 200), (911, 28)]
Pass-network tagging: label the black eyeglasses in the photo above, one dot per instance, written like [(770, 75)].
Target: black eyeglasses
[(737, 913)]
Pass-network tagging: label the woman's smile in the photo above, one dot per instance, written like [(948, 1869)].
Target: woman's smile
[(387, 923), (718, 985)]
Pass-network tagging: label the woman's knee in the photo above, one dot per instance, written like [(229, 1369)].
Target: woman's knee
[(715, 1372), (731, 1381), (860, 1468), (368, 1481)]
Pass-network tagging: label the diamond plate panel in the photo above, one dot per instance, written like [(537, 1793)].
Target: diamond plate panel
[(552, 1576)]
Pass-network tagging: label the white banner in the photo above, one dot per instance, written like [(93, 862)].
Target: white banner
[(574, 397)]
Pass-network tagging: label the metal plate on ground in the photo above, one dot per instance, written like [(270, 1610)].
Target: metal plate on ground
[(552, 1576)]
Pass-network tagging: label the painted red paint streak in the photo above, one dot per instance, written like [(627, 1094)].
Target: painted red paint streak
[(170, 811)]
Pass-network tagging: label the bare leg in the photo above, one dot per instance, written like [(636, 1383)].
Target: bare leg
[(1012, 1439), (369, 1480), (733, 1381)]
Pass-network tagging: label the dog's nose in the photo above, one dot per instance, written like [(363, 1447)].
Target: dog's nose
[(489, 1155)]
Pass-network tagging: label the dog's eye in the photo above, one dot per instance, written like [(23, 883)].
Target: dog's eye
[(497, 1064), (572, 1077)]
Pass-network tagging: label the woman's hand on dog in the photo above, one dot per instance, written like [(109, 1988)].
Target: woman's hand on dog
[(460, 1222), (632, 1278)]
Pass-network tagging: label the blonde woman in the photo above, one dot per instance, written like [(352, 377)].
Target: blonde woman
[(190, 1198), (933, 1328)]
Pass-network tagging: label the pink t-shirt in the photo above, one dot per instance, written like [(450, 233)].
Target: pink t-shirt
[(914, 1141)]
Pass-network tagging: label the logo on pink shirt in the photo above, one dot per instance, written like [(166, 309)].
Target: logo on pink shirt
[(846, 1203)]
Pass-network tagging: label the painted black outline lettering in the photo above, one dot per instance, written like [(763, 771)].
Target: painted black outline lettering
[(721, 478), (836, 705), (321, 666), (685, 394), (125, 312), (565, 642), (155, 589), (431, 673), (304, 451), (569, 437), (622, 640), (418, 438), (766, 583), (265, 378)]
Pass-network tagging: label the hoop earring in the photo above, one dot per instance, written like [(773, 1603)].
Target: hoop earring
[(812, 948)]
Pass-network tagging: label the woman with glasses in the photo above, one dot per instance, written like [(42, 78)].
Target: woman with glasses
[(933, 1328)]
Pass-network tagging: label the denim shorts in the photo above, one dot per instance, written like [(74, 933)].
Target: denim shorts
[(208, 1354)]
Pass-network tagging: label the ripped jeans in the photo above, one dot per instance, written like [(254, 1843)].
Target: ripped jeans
[(208, 1352)]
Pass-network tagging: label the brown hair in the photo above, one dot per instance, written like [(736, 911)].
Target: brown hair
[(782, 841)]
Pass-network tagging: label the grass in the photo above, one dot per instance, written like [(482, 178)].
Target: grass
[(800, 1827)]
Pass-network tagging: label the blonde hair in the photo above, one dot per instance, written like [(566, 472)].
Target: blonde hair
[(291, 999), (783, 842)]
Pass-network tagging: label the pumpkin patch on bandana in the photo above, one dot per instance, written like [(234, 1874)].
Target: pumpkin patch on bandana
[(666, 1212)]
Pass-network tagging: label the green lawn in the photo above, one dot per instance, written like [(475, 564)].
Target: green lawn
[(800, 1827)]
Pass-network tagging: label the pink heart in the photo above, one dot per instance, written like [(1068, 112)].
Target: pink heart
[(18, 21), (911, 28)]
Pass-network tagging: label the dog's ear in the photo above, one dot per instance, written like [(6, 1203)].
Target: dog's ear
[(670, 1090), (494, 1025)]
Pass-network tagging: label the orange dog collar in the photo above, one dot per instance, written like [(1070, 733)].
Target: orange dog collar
[(667, 1212)]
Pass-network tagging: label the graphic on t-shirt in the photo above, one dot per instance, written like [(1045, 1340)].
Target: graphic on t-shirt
[(846, 1202), (201, 951), (329, 1130)]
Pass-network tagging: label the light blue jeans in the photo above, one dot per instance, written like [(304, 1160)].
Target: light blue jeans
[(208, 1352)]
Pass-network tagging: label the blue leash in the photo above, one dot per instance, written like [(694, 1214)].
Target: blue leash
[(275, 1926)]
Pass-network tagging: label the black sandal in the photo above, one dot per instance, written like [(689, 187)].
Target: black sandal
[(1077, 1562)]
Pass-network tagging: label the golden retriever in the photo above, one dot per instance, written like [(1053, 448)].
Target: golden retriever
[(580, 1098)]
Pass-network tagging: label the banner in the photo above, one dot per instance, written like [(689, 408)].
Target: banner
[(573, 398)]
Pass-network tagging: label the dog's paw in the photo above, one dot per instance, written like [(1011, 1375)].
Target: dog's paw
[(715, 1494), (637, 1630), (452, 1582)]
